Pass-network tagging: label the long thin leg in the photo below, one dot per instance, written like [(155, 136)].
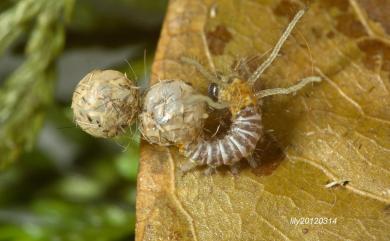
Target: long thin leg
[(209, 171), (189, 165), (288, 90), (252, 161), (209, 76), (208, 100), (235, 168), (259, 71)]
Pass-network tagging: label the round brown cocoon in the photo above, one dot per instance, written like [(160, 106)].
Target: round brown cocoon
[(104, 103), (168, 117)]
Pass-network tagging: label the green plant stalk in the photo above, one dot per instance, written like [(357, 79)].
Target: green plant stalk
[(29, 90)]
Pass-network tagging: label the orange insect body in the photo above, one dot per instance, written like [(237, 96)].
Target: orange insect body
[(238, 95)]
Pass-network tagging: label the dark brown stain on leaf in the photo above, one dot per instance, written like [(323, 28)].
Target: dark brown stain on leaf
[(386, 210), (287, 8), (330, 34), (379, 11), (348, 25), (342, 5), (317, 32), (218, 39), (377, 54)]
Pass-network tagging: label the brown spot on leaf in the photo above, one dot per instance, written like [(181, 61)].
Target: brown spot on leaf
[(317, 32), (287, 8), (342, 5), (218, 39), (386, 210), (330, 34), (377, 53), (379, 11), (350, 26)]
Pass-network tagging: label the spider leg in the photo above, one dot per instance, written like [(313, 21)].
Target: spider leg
[(188, 166), (208, 100), (259, 71), (252, 161), (201, 69), (210, 170), (235, 168), (285, 91)]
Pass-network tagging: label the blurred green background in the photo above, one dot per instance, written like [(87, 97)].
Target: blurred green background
[(56, 182)]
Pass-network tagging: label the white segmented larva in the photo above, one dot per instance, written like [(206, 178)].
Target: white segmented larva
[(196, 152), (222, 149), (243, 136), (245, 132), (246, 129), (209, 154), (240, 146), (232, 147), (219, 155)]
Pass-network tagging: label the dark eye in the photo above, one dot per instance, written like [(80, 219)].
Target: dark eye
[(213, 90)]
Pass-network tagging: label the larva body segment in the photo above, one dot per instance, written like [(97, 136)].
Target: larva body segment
[(238, 143), (241, 139)]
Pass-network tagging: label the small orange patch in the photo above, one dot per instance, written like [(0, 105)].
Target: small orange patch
[(238, 95)]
